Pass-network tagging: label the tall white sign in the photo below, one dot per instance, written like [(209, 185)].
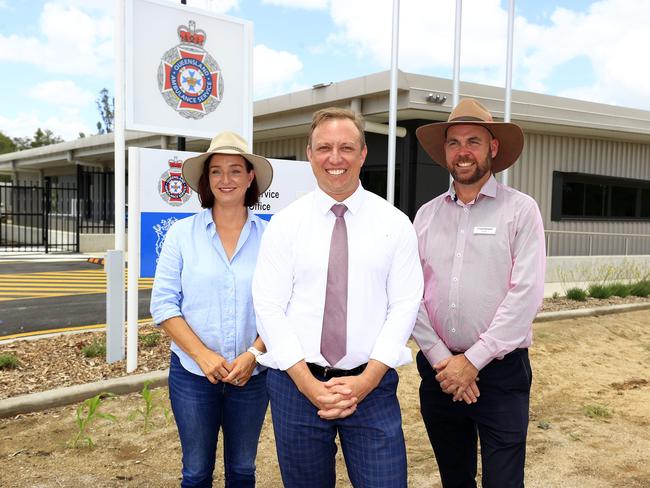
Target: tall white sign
[(188, 71)]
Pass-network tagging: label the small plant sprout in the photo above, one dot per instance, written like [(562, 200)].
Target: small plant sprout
[(94, 349), (597, 412), (151, 403), (86, 414), (8, 361), (150, 340)]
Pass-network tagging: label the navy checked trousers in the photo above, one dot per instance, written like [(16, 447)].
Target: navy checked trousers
[(371, 438), (499, 419)]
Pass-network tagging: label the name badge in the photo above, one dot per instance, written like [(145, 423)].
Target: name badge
[(490, 231)]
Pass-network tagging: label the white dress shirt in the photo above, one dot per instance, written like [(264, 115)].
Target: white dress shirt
[(384, 281)]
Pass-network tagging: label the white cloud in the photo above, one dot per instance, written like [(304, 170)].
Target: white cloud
[(274, 71), (65, 93), (612, 34), (65, 125), (300, 4), (72, 42)]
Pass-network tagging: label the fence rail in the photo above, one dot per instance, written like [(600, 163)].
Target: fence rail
[(583, 243)]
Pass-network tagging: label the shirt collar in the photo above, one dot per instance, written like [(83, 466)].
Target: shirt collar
[(489, 189), (324, 202), (206, 217)]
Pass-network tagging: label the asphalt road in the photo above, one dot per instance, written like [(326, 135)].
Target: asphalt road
[(69, 309)]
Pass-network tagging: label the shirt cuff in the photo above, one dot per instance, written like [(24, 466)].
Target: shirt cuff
[(437, 353), (284, 355), (478, 355), (390, 355), (167, 313)]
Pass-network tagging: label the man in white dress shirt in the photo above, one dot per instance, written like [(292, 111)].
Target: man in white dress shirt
[(353, 394)]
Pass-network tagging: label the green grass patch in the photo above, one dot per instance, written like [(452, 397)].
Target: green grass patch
[(640, 288), (597, 412), (8, 361), (94, 350), (150, 340), (619, 289), (599, 291), (577, 294)]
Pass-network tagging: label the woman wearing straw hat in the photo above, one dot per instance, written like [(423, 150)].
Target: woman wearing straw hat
[(202, 299)]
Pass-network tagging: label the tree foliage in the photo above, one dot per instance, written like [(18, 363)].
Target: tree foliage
[(7, 145), (106, 106)]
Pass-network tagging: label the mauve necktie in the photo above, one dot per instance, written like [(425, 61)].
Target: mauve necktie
[(334, 334)]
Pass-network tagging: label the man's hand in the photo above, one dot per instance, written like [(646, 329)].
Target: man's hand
[(457, 376), (241, 369), (331, 404)]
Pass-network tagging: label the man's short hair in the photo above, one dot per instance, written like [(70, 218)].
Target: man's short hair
[(330, 113)]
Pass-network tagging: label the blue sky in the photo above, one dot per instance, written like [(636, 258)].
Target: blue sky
[(57, 54)]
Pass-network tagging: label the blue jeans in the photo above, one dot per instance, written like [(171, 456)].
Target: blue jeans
[(201, 409), (371, 438)]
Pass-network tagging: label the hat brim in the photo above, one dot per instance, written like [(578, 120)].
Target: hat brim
[(510, 136), (193, 168)]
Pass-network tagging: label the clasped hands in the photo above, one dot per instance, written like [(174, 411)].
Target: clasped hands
[(216, 368), (458, 376)]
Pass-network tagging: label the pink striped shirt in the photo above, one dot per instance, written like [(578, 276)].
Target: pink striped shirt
[(484, 266)]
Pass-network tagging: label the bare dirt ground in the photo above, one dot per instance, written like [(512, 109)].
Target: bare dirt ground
[(589, 427)]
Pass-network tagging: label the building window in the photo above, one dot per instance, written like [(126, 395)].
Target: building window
[(581, 196)]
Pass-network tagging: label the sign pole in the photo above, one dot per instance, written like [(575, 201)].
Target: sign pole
[(134, 261), (115, 272), (392, 108)]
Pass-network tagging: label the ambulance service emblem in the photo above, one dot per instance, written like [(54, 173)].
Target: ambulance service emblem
[(189, 78), (172, 187)]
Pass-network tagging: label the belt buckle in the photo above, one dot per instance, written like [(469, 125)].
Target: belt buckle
[(326, 370)]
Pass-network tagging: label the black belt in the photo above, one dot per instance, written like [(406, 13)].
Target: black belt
[(327, 372)]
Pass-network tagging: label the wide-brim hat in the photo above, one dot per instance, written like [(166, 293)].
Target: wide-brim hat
[(228, 143), (469, 111)]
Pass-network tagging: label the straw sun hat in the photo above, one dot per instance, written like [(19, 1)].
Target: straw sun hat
[(228, 143)]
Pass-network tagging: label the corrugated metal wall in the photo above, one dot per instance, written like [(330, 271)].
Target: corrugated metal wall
[(281, 148), (533, 174)]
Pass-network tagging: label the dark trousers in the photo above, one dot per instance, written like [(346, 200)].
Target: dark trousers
[(499, 419), (371, 438), (201, 410)]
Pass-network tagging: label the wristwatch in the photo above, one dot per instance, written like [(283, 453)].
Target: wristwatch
[(255, 352)]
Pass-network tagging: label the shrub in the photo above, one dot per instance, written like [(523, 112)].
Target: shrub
[(94, 349), (8, 361), (599, 291), (577, 294), (640, 288), (150, 340), (619, 289)]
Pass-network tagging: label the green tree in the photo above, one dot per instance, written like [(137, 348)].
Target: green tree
[(6, 144), (106, 106), (44, 138)]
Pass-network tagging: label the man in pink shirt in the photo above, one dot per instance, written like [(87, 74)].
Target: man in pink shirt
[(482, 251)]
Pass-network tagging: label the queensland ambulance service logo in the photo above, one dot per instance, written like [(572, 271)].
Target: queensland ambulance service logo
[(172, 187), (189, 78)]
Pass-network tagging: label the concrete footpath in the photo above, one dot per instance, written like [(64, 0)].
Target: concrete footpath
[(128, 384)]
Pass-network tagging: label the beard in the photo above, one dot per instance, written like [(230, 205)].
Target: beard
[(480, 169)]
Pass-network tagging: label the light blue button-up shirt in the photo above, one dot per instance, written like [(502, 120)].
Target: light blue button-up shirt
[(195, 280)]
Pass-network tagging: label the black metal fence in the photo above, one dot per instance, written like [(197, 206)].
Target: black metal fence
[(96, 201), (49, 216), (39, 218)]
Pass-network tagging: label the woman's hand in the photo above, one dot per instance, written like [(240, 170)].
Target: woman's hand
[(214, 366), (241, 369)]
